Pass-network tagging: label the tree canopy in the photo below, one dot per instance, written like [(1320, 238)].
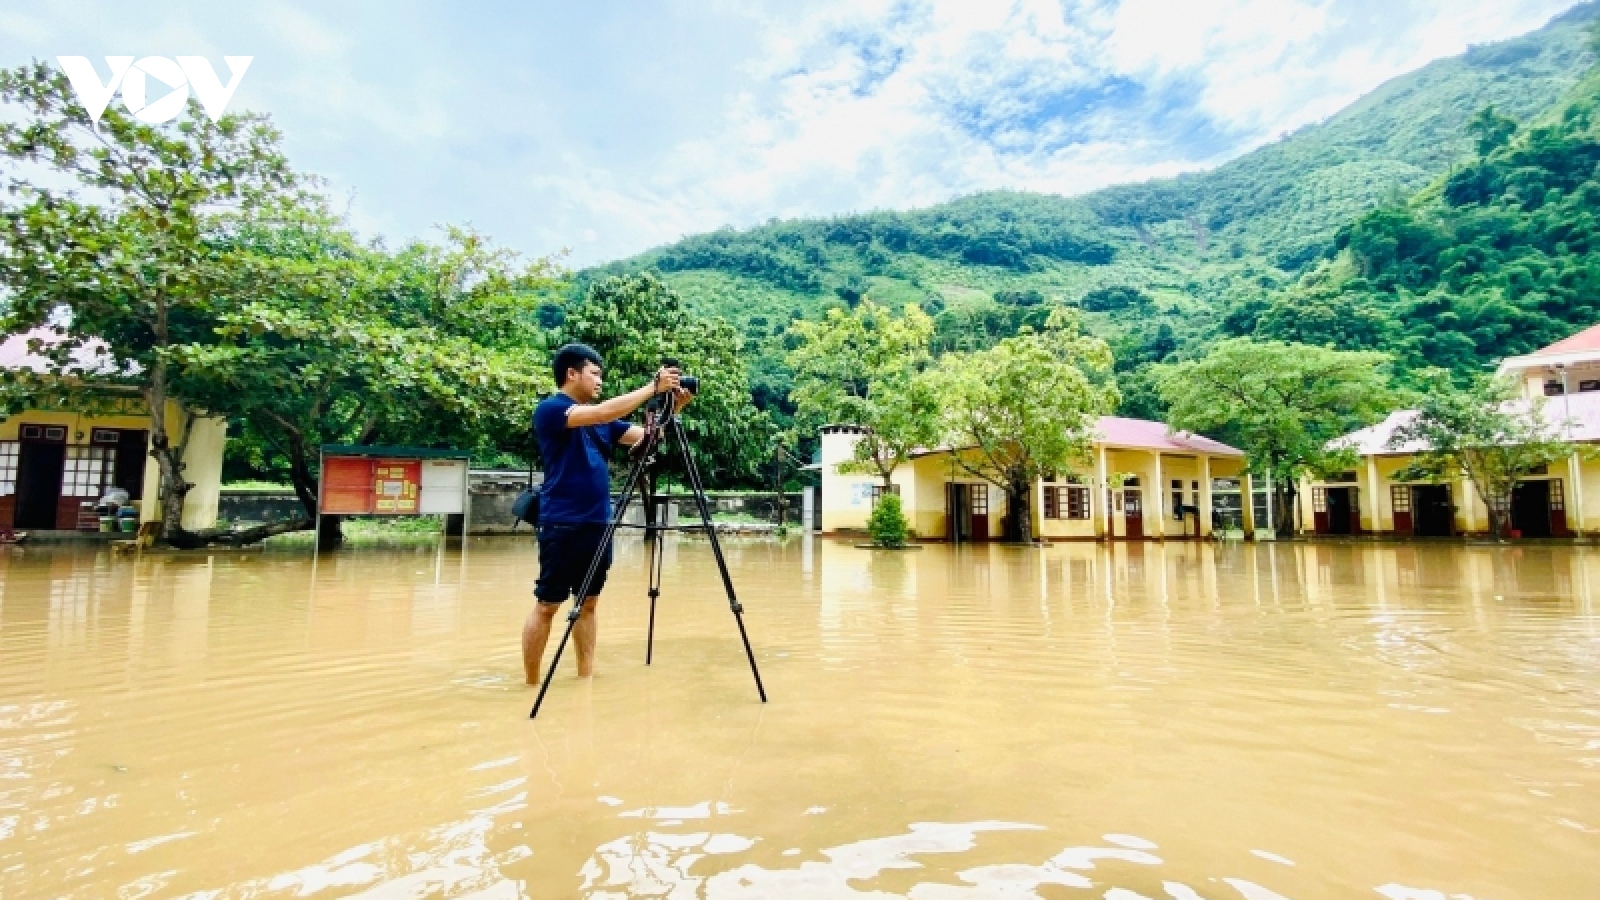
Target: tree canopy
[(1280, 403), (1485, 431), (1024, 408), (861, 367)]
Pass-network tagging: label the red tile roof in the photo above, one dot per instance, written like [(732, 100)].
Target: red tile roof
[(1143, 434), (1587, 339)]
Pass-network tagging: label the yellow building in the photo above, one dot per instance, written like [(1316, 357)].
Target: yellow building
[(1147, 483), (1562, 500), (52, 461)]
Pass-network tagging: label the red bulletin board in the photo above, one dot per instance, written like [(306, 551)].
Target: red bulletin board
[(396, 486), (362, 486), (346, 485)]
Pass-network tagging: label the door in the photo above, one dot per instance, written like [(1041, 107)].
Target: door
[(1133, 513), (39, 482), (1341, 511), (1433, 512), (133, 449), (978, 502), (1319, 509), (1530, 508), (1558, 509), (958, 516), (1400, 503)]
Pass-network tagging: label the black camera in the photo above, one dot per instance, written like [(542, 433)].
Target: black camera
[(687, 382)]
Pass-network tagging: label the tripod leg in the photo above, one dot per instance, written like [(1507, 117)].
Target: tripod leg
[(588, 579), (698, 489), (656, 548)]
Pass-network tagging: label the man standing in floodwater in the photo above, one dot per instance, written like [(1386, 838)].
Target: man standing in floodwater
[(577, 434)]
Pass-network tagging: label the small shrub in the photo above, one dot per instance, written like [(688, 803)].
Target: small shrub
[(887, 525)]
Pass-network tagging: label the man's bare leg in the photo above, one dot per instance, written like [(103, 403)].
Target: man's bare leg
[(583, 634), (535, 634)]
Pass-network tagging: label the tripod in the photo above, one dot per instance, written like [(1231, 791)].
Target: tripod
[(661, 422)]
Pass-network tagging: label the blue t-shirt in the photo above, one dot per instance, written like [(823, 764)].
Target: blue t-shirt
[(577, 484)]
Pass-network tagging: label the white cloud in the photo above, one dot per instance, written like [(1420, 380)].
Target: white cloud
[(613, 127)]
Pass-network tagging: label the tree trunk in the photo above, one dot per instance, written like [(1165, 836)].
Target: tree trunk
[(1283, 500), (169, 459), (1019, 499), (193, 540), (330, 535)]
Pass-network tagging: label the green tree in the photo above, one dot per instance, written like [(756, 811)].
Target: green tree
[(1281, 403), (887, 524), (1484, 431), (132, 259), (635, 321), (860, 367), (1490, 131), (323, 340), (1023, 408)]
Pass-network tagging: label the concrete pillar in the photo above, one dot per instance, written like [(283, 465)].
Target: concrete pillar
[(1101, 496), (1157, 500), (1465, 501), (1372, 477), (1205, 496), (1575, 495), (1248, 485)]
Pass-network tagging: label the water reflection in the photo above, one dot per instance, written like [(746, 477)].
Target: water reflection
[(1132, 720)]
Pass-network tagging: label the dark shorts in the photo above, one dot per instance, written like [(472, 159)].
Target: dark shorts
[(565, 552)]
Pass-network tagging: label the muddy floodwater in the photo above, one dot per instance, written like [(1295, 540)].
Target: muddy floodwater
[(1413, 722)]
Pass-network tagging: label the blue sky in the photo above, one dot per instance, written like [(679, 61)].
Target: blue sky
[(606, 128)]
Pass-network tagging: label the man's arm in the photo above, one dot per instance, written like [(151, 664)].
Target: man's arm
[(622, 405), (635, 434)]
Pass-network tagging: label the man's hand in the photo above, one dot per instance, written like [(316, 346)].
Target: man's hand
[(681, 398), (667, 379)]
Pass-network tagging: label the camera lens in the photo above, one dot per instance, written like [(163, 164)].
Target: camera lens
[(690, 384)]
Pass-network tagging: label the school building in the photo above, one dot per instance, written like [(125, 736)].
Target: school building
[(1146, 483), (1561, 500), (56, 457)]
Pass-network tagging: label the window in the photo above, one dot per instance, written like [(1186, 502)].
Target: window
[(1553, 389), (1400, 497), (1342, 478), (1052, 502), (980, 499), (87, 470), (1558, 497), (1585, 387), (1177, 498), (877, 491), (1077, 502), (9, 451), (105, 436)]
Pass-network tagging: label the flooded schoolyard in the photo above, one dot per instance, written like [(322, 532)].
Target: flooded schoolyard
[(1415, 722)]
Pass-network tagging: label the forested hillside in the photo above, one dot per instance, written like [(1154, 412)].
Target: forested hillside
[(1412, 221)]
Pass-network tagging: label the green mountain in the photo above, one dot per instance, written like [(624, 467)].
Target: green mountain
[(1163, 267)]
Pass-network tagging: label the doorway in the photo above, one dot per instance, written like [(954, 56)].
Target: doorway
[(1133, 513), (41, 460), (1432, 513), (1336, 510), (1530, 508), (966, 512)]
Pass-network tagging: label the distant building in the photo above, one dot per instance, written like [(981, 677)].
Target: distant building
[(1560, 501), (1146, 483), (54, 459)]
